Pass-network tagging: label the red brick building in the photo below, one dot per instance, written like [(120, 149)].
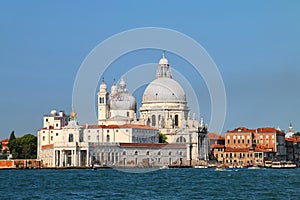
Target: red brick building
[(247, 147)]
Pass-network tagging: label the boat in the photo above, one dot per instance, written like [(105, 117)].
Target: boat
[(98, 166), (283, 165), (220, 169), (254, 167), (200, 167), (164, 167), (268, 164)]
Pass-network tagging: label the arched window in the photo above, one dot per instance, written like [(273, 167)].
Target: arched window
[(136, 153), (101, 100), (107, 138), (153, 120), (181, 139)]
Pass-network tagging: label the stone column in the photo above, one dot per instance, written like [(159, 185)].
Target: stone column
[(87, 158), (61, 158), (79, 157), (54, 159), (72, 158)]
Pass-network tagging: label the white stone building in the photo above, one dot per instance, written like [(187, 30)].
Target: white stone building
[(120, 139)]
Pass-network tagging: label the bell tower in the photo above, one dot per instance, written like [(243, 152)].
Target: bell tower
[(103, 106)]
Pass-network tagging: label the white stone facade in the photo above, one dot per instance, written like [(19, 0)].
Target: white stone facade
[(120, 139)]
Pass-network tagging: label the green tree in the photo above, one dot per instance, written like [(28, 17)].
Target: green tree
[(28, 145), (297, 134), (12, 136), (162, 138), (24, 147), (12, 142)]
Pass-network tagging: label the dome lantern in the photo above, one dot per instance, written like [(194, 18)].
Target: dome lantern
[(163, 68)]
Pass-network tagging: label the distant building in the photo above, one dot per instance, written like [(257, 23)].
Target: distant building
[(214, 141), (290, 132), (4, 144), (293, 149), (245, 146)]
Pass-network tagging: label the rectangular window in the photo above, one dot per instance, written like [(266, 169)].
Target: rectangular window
[(176, 120), (71, 138)]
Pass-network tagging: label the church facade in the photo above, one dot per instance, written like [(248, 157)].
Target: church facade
[(120, 139)]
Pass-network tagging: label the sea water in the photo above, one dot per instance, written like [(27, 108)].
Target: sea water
[(159, 184)]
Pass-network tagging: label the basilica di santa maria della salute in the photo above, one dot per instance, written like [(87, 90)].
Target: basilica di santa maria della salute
[(120, 139)]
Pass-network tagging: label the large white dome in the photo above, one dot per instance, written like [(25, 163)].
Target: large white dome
[(164, 90)]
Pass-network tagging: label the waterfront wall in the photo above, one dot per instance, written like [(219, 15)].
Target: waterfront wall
[(20, 164)]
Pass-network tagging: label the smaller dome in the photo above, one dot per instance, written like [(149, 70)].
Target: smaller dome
[(114, 88), (103, 86), (53, 112), (122, 101)]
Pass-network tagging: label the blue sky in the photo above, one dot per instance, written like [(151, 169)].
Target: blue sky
[(255, 45)]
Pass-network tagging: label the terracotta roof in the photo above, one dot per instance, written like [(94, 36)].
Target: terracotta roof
[(215, 136), (258, 130), (217, 146), (293, 139), (137, 126), (48, 146), (115, 126), (229, 149), (290, 139), (263, 150), (96, 126), (4, 141)]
